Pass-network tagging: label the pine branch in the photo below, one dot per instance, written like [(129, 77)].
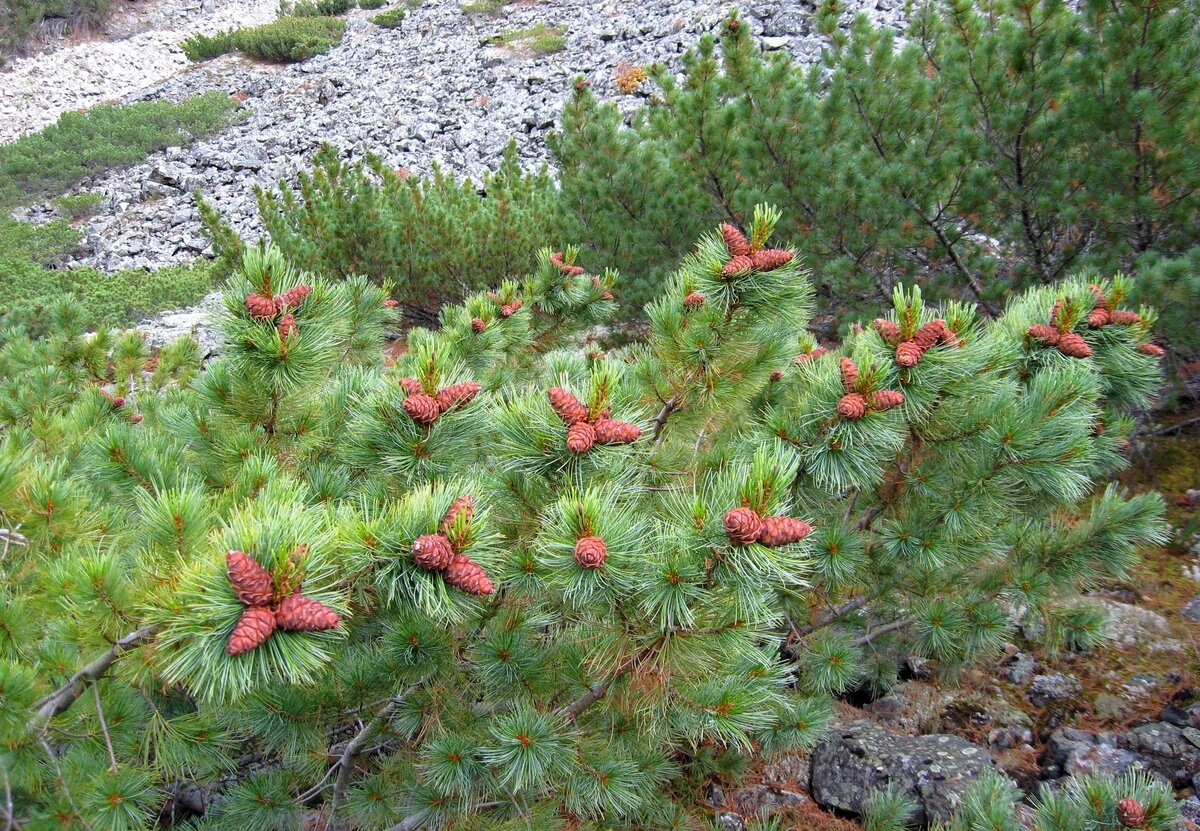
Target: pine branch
[(61, 699), (112, 756), (894, 626), (355, 746), (832, 617)]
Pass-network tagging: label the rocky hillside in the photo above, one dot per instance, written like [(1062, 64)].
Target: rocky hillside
[(433, 90)]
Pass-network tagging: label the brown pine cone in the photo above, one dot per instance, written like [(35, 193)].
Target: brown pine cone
[(908, 354), (261, 307), (457, 395), (432, 551), (1098, 293), (695, 300), (770, 259), (740, 264), (580, 437), (888, 329), (569, 408), (852, 405), (477, 325), (572, 270), (465, 504), (411, 386), (611, 431), (930, 333), (1130, 813), (1099, 317), (556, 258), (510, 309), (805, 357), (288, 327), (297, 613), (1044, 332), (885, 399), (253, 628), (1151, 349), (421, 408), (1073, 345), (735, 241), (776, 375), (465, 575), (743, 525), (1055, 310), (292, 297), (849, 374), (782, 530), (391, 303), (590, 552), (136, 418), (1124, 317), (253, 584)]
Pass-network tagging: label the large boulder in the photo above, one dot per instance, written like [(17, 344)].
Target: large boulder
[(1164, 750), (857, 759)]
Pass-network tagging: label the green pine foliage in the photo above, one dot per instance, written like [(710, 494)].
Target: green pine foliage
[(390, 19), (22, 21), (627, 610), (82, 144), (1002, 143), (201, 47), (307, 30), (433, 237)]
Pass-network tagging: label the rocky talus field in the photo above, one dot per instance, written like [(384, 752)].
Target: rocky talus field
[(436, 90)]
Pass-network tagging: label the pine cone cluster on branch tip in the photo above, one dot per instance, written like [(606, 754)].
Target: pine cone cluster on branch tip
[(456, 395), (744, 525), (583, 431), (885, 399), (442, 551), (266, 611), (477, 325), (694, 300), (260, 307), (590, 552), (422, 408), (1130, 813), (117, 401), (1151, 349), (411, 386), (391, 303), (1104, 314), (566, 268), (852, 405), (425, 409), (1054, 334), (909, 352), (511, 308)]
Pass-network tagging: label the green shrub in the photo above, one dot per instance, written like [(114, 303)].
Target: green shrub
[(201, 47), (291, 39), (1172, 284), (43, 244), (22, 20), (371, 5), (1001, 144), (539, 39), (82, 144), (77, 205), (432, 237), (390, 19), (314, 8), (119, 299), (484, 6)]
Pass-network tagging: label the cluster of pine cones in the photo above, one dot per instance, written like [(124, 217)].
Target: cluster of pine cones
[(910, 350), (744, 526), (425, 409), (262, 307), (271, 604), (118, 402), (854, 403), (805, 357), (1057, 334), (478, 324), (584, 432), (443, 551), (744, 255), (1105, 315)]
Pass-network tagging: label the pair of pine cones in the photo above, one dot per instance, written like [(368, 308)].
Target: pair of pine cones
[(744, 525), (262, 307), (442, 551), (745, 256), (425, 409), (855, 403), (910, 350), (584, 432), (270, 605)]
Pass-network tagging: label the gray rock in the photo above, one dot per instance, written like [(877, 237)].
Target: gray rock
[(1191, 609), (862, 757), (765, 800), (1020, 668), (1171, 751), (730, 821), (1056, 687), (1189, 811), (1072, 752)]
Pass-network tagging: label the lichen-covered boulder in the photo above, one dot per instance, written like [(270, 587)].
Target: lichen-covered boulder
[(859, 758)]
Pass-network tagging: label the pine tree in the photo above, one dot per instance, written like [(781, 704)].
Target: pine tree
[(280, 596)]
